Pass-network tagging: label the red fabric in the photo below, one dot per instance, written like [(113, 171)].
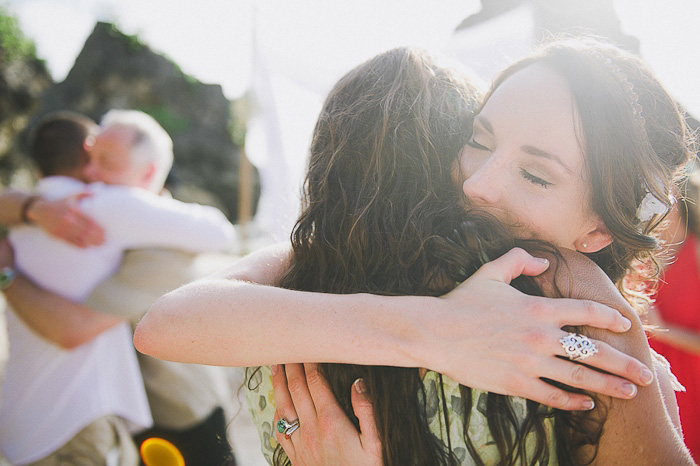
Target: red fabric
[(678, 302)]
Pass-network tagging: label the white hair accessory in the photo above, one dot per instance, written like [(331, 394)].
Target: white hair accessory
[(649, 207)]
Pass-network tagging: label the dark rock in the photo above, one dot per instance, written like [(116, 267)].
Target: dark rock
[(115, 70)]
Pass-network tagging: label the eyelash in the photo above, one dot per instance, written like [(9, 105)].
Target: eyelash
[(535, 179), (527, 175), (472, 142)]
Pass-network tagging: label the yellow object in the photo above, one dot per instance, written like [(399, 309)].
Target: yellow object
[(156, 451)]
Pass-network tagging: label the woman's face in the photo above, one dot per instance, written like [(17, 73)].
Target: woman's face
[(525, 162)]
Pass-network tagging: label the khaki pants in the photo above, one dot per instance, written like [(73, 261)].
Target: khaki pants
[(104, 442)]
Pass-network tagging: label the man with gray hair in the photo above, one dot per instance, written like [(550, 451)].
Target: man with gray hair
[(131, 150)]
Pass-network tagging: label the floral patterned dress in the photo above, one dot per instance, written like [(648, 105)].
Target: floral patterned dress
[(261, 403)]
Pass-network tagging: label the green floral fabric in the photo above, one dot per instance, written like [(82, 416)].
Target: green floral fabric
[(261, 403)]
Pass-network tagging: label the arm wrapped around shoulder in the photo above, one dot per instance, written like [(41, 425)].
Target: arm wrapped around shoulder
[(644, 429)]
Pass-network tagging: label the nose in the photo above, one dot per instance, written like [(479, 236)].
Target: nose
[(483, 186)]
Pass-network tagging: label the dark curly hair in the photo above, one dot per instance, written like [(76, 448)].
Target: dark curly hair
[(382, 214)]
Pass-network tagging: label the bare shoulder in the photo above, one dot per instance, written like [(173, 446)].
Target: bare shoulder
[(573, 275), (639, 430), (576, 276)]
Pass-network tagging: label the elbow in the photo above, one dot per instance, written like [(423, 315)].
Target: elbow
[(143, 335), (141, 338), (152, 329)]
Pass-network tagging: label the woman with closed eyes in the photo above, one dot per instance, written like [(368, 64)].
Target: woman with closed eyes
[(561, 158)]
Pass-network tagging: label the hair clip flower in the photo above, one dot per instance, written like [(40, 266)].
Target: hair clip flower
[(649, 207)]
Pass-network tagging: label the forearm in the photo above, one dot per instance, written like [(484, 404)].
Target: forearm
[(11, 203), (55, 318), (680, 337), (646, 428), (232, 323), (640, 430)]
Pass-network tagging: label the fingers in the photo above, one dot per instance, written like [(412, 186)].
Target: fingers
[(299, 391), (581, 312), (608, 359), (283, 398), (80, 229), (64, 220), (544, 393), (80, 196), (92, 233), (511, 265), (319, 390), (285, 407), (361, 406)]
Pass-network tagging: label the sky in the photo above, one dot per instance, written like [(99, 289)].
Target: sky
[(299, 48), (318, 40)]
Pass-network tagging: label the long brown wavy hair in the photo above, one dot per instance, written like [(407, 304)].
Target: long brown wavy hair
[(382, 214)]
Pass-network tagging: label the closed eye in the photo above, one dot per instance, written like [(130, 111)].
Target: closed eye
[(535, 179), (473, 143)]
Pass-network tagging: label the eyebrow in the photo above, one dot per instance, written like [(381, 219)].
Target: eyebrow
[(532, 150), (546, 155)]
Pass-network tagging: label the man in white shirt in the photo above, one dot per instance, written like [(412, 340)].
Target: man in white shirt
[(53, 396)]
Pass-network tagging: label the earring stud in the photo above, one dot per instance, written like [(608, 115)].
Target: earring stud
[(584, 245)]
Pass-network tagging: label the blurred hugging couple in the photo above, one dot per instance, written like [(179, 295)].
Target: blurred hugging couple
[(74, 389)]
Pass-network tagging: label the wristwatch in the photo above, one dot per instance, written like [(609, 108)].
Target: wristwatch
[(7, 276)]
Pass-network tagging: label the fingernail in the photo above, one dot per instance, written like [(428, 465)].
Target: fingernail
[(359, 386), (647, 376), (542, 259), (274, 369), (588, 404), (629, 389), (626, 324)]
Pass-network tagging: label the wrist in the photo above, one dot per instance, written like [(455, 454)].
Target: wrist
[(26, 211), (412, 328)]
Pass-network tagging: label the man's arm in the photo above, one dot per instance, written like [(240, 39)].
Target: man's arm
[(11, 203), (136, 218), (55, 318), (684, 338), (61, 218)]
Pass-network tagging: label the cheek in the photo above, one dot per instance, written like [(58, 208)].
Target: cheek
[(541, 217)]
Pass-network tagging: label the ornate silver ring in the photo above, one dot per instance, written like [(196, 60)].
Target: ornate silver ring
[(578, 346)]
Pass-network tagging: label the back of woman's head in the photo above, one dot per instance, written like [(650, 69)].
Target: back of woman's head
[(634, 138), (380, 179)]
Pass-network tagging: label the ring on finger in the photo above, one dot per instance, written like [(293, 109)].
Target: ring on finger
[(578, 346), (287, 428)]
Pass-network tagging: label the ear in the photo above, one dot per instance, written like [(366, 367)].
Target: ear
[(594, 239), (148, 174)]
